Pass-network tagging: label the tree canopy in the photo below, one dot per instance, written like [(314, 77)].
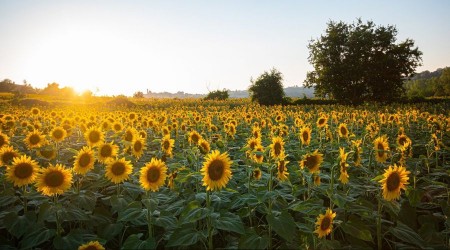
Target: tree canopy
[(267, 89), (218, 95), (361, 61)]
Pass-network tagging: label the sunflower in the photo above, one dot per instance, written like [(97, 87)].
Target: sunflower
[(256, 132), (277, 147), (34, 139), (54, 180), (258, 154), (118, 170), (316, 178), (172, 176), (117, 127), (394, 179), (138, 146), (204, 146), (94, 136), (194, 137), (305, 135), (381, 147), (58, 134), (282, 174), (7, 155), (402, 139), (253, 142), (344, 165), (22, 171), (4, 140), (35, 111), (358, 151), (312, 161), (130, 135), (324, 223), (47, 152), (107, 151), (167, 145), (153, 175), (257, 173), (216, 170), (92, 245), (84, 161), (322, 121), (343, 131)]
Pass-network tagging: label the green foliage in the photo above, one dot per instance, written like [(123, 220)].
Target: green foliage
[(360, 61), (267, 89), (218, 95), (428, 84), (138, 94)]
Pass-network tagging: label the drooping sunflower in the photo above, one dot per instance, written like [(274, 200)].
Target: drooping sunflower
[(324, 223), (204, 146), (34, 139), (305, 135), (94, 136), (343, 177), (277, 147), (153, 175), (282, 173), (167, 145), (84, 161), (312, 161), (381, 147), (216, 170), (92, 245), (53, 180), (58, 134), (194, 137), (394, 179), (118, 170), (107, 151), (7, 154), (23, 171), (138, 146), (4, 140), (343, 130)]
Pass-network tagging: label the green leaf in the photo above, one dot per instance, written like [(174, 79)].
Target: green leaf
[(134, 242), (229, 222), (36, 237), (357, 228), (109, 231), (70, 241), (184, 236), (193, 212), (18, 225), (85, 199), (251, 240), (167, 221), (406, 234), (133, 212), (284, 225)]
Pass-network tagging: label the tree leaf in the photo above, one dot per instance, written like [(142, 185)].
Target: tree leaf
[(283, 225)]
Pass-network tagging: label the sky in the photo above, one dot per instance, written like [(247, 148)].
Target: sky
[(121, 47)]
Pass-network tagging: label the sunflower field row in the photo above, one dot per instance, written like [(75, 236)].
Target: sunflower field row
[(211, 175)]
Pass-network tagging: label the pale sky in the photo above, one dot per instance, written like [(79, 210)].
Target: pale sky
[(120, 47)]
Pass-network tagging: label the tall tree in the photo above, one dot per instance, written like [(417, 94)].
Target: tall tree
[(360, 61), (267, 89)]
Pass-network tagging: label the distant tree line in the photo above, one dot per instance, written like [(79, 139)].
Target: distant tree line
[(52, 89), (429, 84)]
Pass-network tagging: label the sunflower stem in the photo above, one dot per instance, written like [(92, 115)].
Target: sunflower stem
[(149, 216), (208, 206), (25, 201), (380, 207), (270, 205), (58, 225)]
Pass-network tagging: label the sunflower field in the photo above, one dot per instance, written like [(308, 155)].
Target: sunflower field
[(191, 174)]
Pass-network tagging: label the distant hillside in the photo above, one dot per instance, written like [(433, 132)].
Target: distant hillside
[(427, 74), (295, 91)]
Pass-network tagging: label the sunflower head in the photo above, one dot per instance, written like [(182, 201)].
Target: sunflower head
[(118, 170), (58, 134), (342, 130), (194, 137), (312, 161), (167, 145), (402, 139), (257, 173), (94, 136), (305, 135), (282, 174), (23, 171), (4, 139), (107, 151), (92, 245), (324, 223), (216, 170), (204, 146), (34, 139), (258, 154), (277, 147), (381, 148), (7, 155), (48, 152), (322, 122), (84, 161), (138, 147), (53, 180), (394, 179), (153, 175)]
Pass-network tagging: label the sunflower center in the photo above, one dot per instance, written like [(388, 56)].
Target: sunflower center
[(305, 136), (215, 170), (153, 174), (343, 130), (321, 121), (166, 145), (137, 146), (106, 151), (34, 139), (380, 149), (94, 136), (252, 145), (195, 138), (402, 140), (91, 248), (85, 159), (58, 134), (277, 148), (281, 167), (118, 168), (311, 162), (128, 136), (54, 179), (326, 222), (2, 140), (117, 127), (393, 181), (23, 170), (46, 153), (7, 157)]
